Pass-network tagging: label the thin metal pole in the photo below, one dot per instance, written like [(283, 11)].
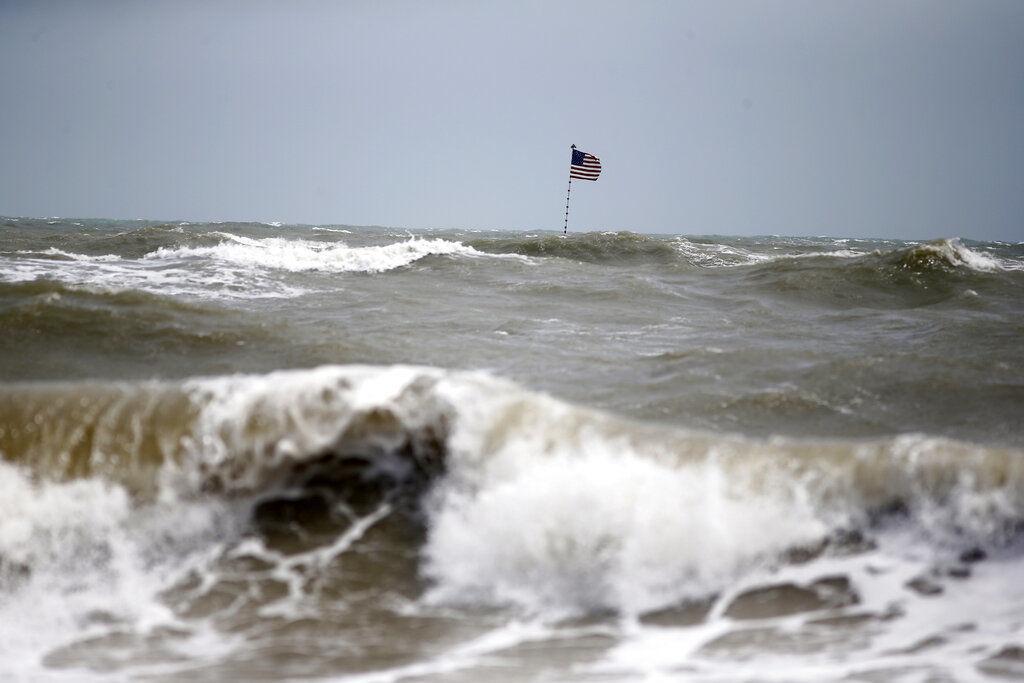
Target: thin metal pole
[(565, 231)]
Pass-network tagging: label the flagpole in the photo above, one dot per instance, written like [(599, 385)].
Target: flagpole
[(565, 230)]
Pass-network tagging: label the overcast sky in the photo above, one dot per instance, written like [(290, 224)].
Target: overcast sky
[(843, 118)]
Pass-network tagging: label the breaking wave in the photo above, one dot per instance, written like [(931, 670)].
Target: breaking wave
[(715, 255), (194, 262), (304, 255), (949, 253), (217, 265), (918, 275), (530, 501)]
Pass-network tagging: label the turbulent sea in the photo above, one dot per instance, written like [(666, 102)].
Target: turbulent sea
[(241, 451)]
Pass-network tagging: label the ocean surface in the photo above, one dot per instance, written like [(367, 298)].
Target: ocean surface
[(245, 451)]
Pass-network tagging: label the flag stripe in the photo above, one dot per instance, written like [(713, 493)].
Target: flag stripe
[(588, 169)]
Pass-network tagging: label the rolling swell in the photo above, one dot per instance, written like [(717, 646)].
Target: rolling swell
[(132, 242), (604, 495), (935, 257), (137, 242), (40, 292), (43, 320), (919, 275), (595, 247)]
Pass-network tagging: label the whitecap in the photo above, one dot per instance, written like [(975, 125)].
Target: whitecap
[(305, 255), (53, 251)]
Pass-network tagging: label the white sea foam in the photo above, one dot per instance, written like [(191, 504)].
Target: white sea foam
[(305, 255), (837, 253), (712, 255), (953, 251), (238, 267), (590, 518), (715, 255), (603, 529), (53, 251), (78, 557), (892, 634), (162, 278)]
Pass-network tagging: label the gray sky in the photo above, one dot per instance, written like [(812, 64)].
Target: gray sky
[(845, 118)]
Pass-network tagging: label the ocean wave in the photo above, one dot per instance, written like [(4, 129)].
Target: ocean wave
[(214, 265), (134, 242), (53, 251), (43, 318), (912, 276), (304, 255), (950, 253), (338, 230), (162, 278), (938, 254), (531, 501), (630, 248), (38, 293), (715, 255), (596, 247), (941, 254)]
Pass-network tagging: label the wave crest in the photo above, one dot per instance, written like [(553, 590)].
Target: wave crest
[(946, 254), (532, 501), (305, 255)]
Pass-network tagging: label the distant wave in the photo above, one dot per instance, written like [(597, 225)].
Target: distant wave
[(597, 247), (216, 264), (917, 275), (45, 313), (338, 230), (99, 274), (712, 254), (630, 248), (941, 253), (304, 255), (194, 261), (951, 253), (936, 257)]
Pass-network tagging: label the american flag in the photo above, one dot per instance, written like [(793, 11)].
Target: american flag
[(584, 166)]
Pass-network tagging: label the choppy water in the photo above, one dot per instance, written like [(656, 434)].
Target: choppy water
[(259, 451)]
